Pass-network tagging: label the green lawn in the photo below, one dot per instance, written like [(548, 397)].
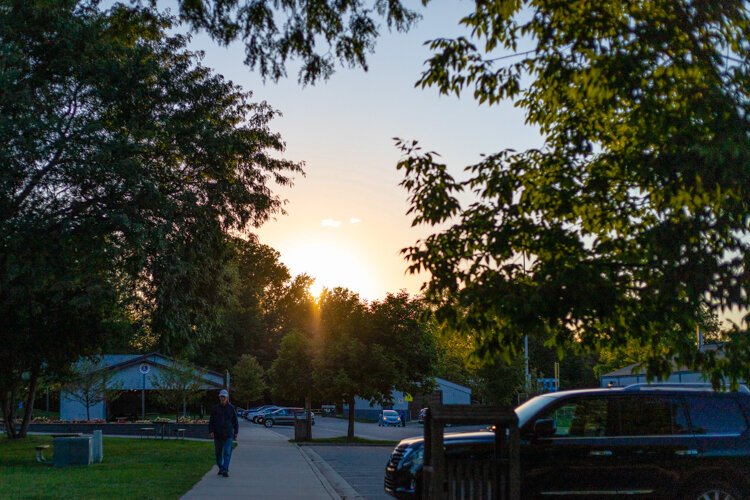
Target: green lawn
[(132, 468)]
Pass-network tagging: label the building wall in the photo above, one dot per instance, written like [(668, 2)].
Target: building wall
[(453, 394), (125, 378), (364, 410), (676, 377), (683, 377), (71, 409)]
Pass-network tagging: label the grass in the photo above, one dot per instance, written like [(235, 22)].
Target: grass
[(132, 468), (356, 440)]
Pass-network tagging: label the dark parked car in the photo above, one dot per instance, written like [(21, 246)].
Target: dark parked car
[(649, 441), (286, 416)]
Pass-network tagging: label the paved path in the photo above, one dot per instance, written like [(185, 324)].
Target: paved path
[(265, 466)]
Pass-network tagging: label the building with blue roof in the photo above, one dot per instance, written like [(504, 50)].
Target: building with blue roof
[(134, 374)]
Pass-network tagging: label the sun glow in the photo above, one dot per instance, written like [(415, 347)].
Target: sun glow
[(331, 266)]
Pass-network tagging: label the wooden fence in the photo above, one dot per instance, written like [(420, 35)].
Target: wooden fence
[(494, 478)]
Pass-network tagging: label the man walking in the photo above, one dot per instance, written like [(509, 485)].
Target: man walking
[(223, 427)]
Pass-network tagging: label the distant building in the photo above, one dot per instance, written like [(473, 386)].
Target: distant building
[(134, 374), (453, 394), (634, 374)]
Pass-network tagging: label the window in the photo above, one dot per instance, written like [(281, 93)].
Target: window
[(581, 418), (652, 416), (716, 415)]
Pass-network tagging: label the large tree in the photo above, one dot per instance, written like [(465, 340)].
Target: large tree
[(266, 304), (347, 364), (256, 280), (247, 380), (124, 165), (400, 325), (292, 375), (633, 215)]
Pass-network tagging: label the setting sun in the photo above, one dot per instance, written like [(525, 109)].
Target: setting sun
[(331, 266)]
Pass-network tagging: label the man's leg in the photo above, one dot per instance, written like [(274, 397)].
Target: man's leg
[(227, 452), (219, 451)]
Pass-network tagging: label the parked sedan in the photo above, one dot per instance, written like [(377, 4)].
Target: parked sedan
[(286, 416), (390, 418), (256, 416), (253, 409)]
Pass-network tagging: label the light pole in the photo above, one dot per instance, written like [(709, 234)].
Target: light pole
[(526, 340)]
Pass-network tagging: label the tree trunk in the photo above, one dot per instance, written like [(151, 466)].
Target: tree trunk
[(350, 430), (30, 397), (9, 413)]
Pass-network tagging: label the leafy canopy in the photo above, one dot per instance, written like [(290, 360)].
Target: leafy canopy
[(317, 32), (635, 212), (247, 381)]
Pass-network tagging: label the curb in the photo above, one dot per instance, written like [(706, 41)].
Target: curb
[(332, 481), (306, 444)]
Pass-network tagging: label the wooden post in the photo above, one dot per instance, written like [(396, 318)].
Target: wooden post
[(498, 478), (427, 458), (514, 458)]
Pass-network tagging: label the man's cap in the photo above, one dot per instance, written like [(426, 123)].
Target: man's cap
[(224, 393)]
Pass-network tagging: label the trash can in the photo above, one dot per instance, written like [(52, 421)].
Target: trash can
[(301, 432)]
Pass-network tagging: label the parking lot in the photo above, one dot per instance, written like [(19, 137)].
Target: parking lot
[(361, 466)]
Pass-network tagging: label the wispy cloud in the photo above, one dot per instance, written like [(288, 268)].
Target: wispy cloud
[(330, 223), (354, 220)]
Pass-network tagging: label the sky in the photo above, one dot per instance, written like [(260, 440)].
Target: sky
[(346, 219)]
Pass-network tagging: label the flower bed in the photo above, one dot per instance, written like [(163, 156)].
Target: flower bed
[(192, 430)]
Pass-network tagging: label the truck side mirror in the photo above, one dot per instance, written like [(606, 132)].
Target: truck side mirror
[(544, 427)]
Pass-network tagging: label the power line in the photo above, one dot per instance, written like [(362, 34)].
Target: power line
[(521, 54)]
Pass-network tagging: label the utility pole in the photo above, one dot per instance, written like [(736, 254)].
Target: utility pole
[(526, 340), (526, 360)]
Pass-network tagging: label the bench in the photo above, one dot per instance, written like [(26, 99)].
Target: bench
[(179, 433), (40, 453), (145, 431)]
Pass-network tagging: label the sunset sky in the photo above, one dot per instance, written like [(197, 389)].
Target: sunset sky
[(346, 219)]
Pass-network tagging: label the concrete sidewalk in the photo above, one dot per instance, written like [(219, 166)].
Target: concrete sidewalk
[(265, 465)]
